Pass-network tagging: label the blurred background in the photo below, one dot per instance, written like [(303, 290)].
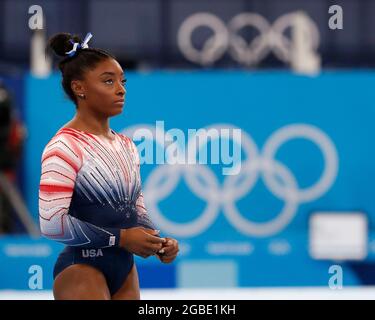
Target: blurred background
[(296, 76)]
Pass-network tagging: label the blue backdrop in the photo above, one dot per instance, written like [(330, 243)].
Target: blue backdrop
[(335, 110)]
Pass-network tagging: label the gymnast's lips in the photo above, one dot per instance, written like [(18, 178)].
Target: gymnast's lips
[(120, 101)]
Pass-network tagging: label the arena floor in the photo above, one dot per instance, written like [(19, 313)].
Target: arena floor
[(352, 293)]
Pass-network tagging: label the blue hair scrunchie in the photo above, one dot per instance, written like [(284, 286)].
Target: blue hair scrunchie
[(77, 45)]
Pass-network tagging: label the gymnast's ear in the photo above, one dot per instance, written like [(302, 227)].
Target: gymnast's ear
[(78, 88)]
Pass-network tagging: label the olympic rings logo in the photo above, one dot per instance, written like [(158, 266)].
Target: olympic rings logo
[(163, 180), (270, 37)]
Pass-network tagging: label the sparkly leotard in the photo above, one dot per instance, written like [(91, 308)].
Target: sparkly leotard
[(90, 189)]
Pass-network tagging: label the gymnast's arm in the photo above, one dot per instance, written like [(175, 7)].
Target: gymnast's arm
[(61, 161)]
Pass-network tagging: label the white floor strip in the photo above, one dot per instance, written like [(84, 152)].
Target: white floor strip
[(352, 293)]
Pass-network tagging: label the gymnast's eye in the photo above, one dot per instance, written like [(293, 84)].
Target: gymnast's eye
[(109, 81)]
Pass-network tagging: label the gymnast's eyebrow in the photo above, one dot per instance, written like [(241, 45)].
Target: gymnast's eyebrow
[(111, 73)]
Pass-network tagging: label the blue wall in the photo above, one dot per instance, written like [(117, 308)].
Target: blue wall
[(335, 106)]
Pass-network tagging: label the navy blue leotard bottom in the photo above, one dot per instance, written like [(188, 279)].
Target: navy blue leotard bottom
[(115, 263)]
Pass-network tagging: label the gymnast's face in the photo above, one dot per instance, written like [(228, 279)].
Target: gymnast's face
[(104, 89)]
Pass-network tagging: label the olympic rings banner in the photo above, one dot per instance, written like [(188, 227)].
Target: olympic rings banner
[(226, 38), (305, 145)]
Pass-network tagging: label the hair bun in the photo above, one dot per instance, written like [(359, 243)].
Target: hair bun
[(62, 42)]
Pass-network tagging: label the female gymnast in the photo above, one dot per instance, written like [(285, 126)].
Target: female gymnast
[(90, 196)]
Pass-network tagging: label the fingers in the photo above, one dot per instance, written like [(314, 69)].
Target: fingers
[(165, 259), (152, 232), (165, 248), (153, 248), (153, 243), (154, 236), (156, 248), (148, 252), (156, 240), (170, 246), (169, 251)]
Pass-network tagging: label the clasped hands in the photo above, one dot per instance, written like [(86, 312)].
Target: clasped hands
[(146, 242)]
